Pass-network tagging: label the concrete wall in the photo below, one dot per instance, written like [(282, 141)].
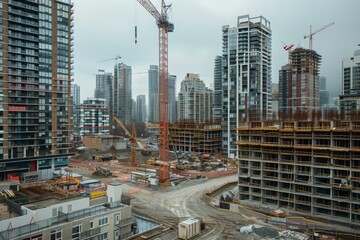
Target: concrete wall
[(76, 205), (103, 144)]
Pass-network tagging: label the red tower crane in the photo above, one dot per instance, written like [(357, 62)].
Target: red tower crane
[(164, 28)]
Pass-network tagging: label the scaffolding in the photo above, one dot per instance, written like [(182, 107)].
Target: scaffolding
[(309, 167)]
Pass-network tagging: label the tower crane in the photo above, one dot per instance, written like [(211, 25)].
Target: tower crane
[(288, 48), (115, 58), (164, 28), (132, 138), (310, 36)]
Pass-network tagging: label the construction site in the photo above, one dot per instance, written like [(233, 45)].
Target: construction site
[(304, 167)]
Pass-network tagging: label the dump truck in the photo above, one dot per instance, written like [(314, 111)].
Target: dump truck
[(101, 171)]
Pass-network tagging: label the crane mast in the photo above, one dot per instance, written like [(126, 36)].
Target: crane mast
[(310, 36), (164, 28), (132, 138)]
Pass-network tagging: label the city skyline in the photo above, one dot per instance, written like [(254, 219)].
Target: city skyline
[(213, 15)]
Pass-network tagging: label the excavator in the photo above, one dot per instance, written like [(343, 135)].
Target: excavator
[(101, 171)]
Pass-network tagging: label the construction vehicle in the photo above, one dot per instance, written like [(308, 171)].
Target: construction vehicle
[(101, 171), (151, 161), (164, 28), (146, 151)]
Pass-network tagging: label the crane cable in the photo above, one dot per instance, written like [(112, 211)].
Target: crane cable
[(135, 20)]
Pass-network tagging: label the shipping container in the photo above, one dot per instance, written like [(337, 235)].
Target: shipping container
[(189, 228)]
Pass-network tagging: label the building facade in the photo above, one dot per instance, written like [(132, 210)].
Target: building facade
[(153, 94), (194, 100), (307, 167), (218, 92), (299, 82), (75, 218), (35, 84), (75, 113), (172, 109), (140, 108), (324, 94), (191, 137), (123, 93), (350, 97), (104, 89), (94, 117), (246, 79), (153, 97)]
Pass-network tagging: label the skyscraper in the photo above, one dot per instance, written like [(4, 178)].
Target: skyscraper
[(218, 97), (299, 85), (194, 97), (324, 95), (104, 89), (153, 98), (153, 93), (35, 85), (246, 80), (172, 98), (140, 108), (350, 97), (75, 112), (123, 93)]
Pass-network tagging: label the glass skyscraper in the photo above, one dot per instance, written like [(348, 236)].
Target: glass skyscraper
[(246, 81)]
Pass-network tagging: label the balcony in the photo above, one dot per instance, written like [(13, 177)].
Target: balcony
[(90, 232)]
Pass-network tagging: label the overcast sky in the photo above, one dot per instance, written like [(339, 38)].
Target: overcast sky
[(104, 29)]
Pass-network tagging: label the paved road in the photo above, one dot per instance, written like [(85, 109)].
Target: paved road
[(173, 205), (184, 201)]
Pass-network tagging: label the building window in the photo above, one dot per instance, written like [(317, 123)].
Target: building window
[(76, 230), (103, 236), (54, 212), (56, 234), (116, 234), (103, 221), (91, 225), (117, 219)]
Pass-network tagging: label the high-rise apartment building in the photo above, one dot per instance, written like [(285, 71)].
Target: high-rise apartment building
[(195, 100), (246, 80), (75, 112), (172, 98), (104, 89), (350, 97), (324, 96), (153, 93), (123, 93), (299, 81), (94, 117), (153, 98), (218, 96), (140, 108), (35, 84)]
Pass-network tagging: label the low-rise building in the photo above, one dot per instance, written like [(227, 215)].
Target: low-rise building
[(104, 142), (68, 217), (191, 137)]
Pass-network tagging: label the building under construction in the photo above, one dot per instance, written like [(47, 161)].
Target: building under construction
[(191, 137), (299, 83), (305, 167)]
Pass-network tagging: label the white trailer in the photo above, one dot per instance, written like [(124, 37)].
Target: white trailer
[(189, 228)]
